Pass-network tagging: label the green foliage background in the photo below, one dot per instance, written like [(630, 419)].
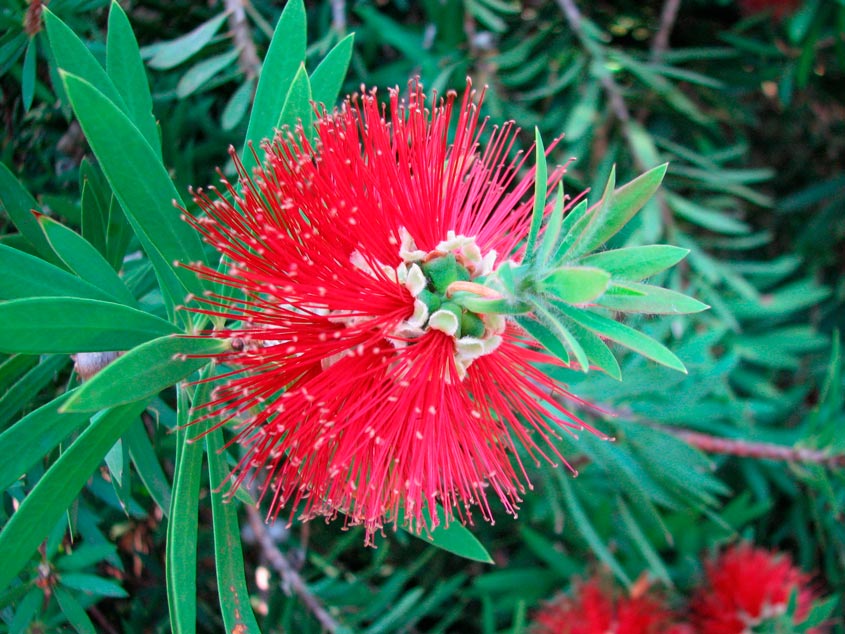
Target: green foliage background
[(748, 110)]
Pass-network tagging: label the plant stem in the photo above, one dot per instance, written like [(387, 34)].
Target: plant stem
[(291, 580), (247, 55), (660, 43), (758, 450)]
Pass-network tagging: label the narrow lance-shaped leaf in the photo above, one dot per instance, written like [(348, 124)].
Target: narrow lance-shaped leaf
[(120, 148), (33, 436), (39, 325), (203, 72), (596, 350), (181, 547), (544, 336), (16, 201), (556, 326), (297, 108), (126, 70), (228, 555), (327, 78), (626, 202), (147, 465), (74, 57), (281, 63), (624, 335), (144, 371), (642, 298), (636, 263), (172, 53), (25, 275), (576, 284), (84, 260), (454, 538), (539, 210), (551, 232), (55, 491)]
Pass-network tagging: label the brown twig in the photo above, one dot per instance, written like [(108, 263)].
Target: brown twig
[(339, 16), (660, 43), (291, 580), (247, 54), (759, 450), (611, 88), (614, 92)]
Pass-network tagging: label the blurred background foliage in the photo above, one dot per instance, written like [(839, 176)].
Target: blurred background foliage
[(749, 109)]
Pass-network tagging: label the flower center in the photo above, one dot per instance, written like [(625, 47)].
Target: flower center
[(431, 278)]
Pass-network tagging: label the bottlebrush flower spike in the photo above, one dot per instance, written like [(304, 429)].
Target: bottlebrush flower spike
[(778, 8), (745, 586), (376, 371), (595, 608)]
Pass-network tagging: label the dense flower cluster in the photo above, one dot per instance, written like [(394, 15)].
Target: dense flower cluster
[(358, 382), (596, 608), (743, 591), (778, 8), (744, 586)]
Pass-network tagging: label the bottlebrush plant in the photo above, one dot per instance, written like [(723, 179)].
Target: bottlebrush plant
[(388, 314)]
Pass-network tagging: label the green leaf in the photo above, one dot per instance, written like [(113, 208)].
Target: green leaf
[(327, 78), (84, 260), (576, 284), (712, 219), (146, 464), (551, 232), (624, 335), (24, 391), (149, 201), (454, 538), (91, 584), (582, 521), (67, 324), (643, 298), (87, 555), (144, 371), (181, 549), (33, 436), (25, 275), (596, 350), (16, 201), (284, 57), (643, 544), (126, 69), (236, 107), (73, 57), (203, 72), (228, 556), (608, 219), (636, 263), (55, 491), (28, 77), (540, 188), (554, 324), (94, 206), (172, 53), (544, 336), (297, 108), (74, 612)]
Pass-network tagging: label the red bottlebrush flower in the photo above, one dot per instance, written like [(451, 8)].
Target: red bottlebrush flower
[(596, 609), (744, 586), (357, 383), (778, 8)]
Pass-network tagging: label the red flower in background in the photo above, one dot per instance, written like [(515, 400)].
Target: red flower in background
[(746, 585), (357, 384), (595, 608), (778, 8)]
